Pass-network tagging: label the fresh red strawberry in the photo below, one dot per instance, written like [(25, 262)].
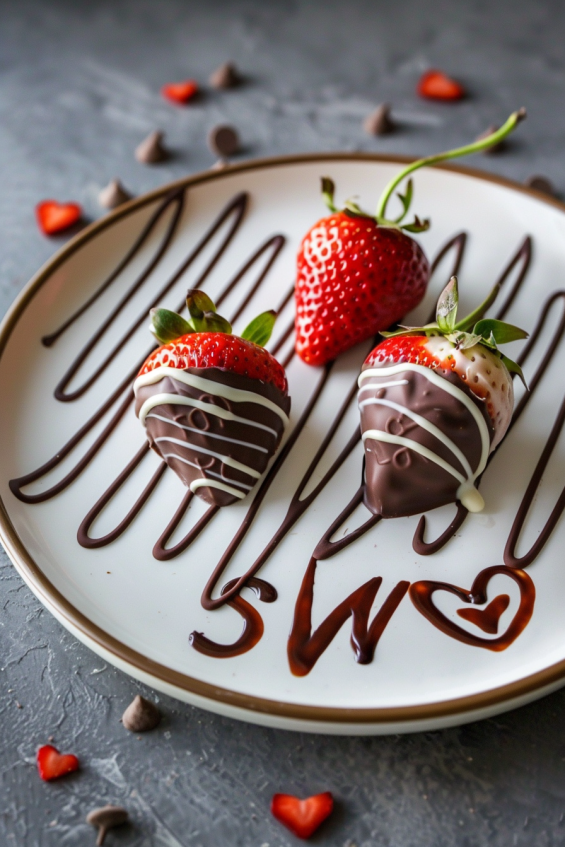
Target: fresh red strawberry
[(180, 92), (426, 438), (219, 350), (51, 764), (54, 217), (302, 817), (358, 273), (215, 405), (354, 278), (435, 85)]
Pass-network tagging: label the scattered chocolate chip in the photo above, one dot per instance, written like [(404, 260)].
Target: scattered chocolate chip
[(151, 149), (223, 140), (379, 122), (141, 715), (226, 76), (541, 183), (495, 148), (105, 818), (113, 195)]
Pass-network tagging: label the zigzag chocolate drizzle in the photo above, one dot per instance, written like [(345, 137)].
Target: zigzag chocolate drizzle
[(304, 647)]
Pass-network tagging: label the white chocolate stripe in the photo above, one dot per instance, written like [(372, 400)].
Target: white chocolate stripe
[(447, 386), (384, 385), (236, 395), (209, 483), (226, 460), (425, 424), (379, 435), (207, 433), (210, 473), (209, 408)]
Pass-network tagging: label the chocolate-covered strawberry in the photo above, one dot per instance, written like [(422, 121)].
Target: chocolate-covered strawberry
[(214, 405), (435, 401), (357, 273)]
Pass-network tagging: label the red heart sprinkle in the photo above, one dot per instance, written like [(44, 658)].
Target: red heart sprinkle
[(302, 817), (51, 764), (54, 217), (180, 92), (435, 85)]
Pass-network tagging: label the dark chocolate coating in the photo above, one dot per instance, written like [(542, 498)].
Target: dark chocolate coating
[(210, 425), (400, 481)]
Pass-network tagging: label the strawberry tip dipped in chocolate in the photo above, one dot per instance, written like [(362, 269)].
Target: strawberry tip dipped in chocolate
[(435, 401), (215, 405), (357, 273)]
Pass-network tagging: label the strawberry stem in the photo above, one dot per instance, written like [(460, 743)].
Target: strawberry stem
[(471, 319), (475, 147)]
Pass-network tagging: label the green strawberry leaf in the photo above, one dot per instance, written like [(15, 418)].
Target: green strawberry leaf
[(499, 332), (353, 208), (203, 315), (514, 368), (212, 322), (405, 199), (405, 330), (260, 329), (167, 326), (417, 225), (328, 191), (446, 312), (198, 303), (464, 340)]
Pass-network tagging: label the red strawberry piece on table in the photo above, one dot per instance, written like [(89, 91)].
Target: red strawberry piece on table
[(357, 273), (54, 217), (435, 401), (180, 92), (215, 405), (435, 85), (52, 764), (302, 817)]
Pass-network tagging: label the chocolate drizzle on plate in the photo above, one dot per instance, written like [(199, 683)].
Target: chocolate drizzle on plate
[(304, 647)]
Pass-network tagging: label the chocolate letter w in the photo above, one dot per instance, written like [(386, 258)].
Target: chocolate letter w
[(305, 648)]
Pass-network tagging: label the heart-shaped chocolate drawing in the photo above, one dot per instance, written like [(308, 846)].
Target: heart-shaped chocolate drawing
[(421, 594), (487, 619)]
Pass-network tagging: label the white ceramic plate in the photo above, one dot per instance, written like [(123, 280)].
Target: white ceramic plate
[(139, 612)]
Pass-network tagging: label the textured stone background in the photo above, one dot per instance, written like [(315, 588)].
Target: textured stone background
[(78, 91)]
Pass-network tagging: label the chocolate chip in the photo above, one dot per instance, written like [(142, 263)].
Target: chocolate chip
[(226, 76), (379, 122), (495, 148), (113, 195), (151, 149), (141, 715), (223, 140), (105, 818), (541, 183)]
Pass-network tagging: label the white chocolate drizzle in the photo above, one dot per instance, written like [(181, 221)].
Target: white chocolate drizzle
[(210, 483), (226, 460), (217, 389), (208, 472), (207, 433), (467, 493)]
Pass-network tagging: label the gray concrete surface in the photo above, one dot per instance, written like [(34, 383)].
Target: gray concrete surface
[(78, 90)]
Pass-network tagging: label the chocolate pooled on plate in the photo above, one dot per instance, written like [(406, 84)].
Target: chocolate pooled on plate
[(215, 405)]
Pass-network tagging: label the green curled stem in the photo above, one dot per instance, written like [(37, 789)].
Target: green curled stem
[(475, 147)]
